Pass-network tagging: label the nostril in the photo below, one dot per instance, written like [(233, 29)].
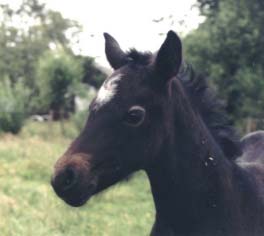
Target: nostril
[(70, 178), (64, 180)]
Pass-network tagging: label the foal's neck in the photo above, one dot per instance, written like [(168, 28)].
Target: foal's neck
[(191, 179)]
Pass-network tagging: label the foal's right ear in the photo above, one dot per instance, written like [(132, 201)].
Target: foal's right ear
[(114, 54), (169, 57)]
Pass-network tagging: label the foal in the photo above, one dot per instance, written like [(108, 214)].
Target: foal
[(154, 113)]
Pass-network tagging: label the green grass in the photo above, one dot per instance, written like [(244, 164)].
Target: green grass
[(28, 206)]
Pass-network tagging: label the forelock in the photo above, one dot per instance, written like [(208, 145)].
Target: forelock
[(139, 58)]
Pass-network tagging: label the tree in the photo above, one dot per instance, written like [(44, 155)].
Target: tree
[(13, 109), (208, 7), (93, 75), (59, 80), (22, 45), (228, 47)]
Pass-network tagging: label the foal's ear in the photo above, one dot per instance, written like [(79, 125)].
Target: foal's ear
[(169, 57), (114, 54)]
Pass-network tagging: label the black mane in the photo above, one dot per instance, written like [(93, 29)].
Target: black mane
[(212, 110), (210, 107)]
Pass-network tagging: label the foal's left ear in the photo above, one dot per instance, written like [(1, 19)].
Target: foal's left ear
[(115, 55), (169, 57)]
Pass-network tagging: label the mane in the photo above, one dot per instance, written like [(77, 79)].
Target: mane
[(212, 110), (203, 98)]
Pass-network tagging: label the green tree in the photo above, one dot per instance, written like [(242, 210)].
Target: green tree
[(59, 80), (13, 109), (208, 7), (93, 75), (228, 47), (21, 45)]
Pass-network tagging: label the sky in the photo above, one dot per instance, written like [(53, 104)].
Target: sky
[(140, 24)]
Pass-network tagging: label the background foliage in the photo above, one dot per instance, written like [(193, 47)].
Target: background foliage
[(36, 53), (228, 48), (59, 80), (13, 110)]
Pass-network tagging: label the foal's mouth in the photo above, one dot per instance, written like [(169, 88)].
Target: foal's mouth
[(79, 199)]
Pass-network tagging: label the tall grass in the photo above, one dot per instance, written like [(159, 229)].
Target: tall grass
[(28, 205)]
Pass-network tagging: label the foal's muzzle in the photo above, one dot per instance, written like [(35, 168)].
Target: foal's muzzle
[(65, 181), (72, 179)]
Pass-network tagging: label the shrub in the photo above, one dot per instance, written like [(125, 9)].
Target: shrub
[(58, 81), (13, 110)]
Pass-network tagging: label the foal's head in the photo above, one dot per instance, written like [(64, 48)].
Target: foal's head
[(126, 126), (131, 120)]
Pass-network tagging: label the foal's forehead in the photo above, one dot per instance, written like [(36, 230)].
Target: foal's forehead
[(122, 83), (108, 90)]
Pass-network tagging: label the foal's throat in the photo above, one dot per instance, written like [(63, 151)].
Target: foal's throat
[(185, 185), (189, 174)]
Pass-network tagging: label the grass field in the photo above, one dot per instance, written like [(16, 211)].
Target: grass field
[(29, 207)]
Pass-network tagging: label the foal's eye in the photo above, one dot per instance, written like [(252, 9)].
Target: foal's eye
[(135, 116)]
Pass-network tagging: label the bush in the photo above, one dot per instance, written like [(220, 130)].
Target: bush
[(58, 81), (13, 100)]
